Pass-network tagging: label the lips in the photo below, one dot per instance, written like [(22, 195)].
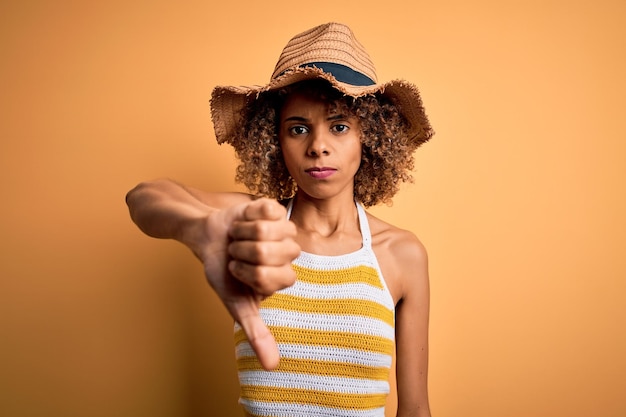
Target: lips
[(320, 172)]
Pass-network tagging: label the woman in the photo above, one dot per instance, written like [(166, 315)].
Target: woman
[(320, 290)]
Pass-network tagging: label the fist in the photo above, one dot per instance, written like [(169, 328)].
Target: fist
[(247, 257), (262, 247)]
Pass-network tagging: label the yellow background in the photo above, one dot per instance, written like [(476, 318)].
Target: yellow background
[(519, 198)]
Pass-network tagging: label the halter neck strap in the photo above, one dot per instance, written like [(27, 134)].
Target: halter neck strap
[(366, 234)]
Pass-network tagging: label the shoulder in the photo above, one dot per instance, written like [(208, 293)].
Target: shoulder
[(402, 257), (400, 244)]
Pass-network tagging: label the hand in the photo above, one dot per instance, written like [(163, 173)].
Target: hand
[(247, 256)]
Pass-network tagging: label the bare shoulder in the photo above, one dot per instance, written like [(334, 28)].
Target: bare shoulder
[(402, 256), (400, 244)]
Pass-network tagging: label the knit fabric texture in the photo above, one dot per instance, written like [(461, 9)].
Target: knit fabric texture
[(335, 333)]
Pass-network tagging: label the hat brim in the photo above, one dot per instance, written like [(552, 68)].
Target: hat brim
[(228, 101)]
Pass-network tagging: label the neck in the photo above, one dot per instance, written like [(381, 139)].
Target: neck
[(325, 217)]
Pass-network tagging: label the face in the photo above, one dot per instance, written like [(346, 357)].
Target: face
[(321, 149)]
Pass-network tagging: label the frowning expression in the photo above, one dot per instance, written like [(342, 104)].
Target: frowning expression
[(320, 145)]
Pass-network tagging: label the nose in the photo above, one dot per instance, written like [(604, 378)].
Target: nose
[(318, 144)]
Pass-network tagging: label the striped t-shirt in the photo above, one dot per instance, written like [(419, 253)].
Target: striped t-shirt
[(335, 333)]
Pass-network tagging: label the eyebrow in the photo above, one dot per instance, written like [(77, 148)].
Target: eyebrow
[(304, 119), (295, 119), (337, 117)]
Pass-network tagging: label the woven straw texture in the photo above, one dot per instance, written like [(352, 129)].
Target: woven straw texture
[(333, 43)]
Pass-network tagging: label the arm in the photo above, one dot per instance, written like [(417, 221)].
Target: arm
[(245, 245), (165, 209), (412, 314)]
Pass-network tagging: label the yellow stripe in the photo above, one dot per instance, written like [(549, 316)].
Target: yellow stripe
[(355, 307), (358, 274), (342, 340), (317, 367), (314, 397)]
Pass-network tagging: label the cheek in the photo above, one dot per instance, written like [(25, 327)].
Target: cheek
[(288, 156), (284, 150), (357, 149)]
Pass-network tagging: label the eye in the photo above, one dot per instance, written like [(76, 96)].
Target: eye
[(298, 130), (339, 128)]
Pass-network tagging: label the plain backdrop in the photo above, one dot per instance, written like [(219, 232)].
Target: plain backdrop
[(519, 198)]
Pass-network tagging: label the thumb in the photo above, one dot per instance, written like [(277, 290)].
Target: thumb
[(261, 209), (261, 340)]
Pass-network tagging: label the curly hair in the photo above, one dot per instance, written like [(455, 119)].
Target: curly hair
[(386, 157)]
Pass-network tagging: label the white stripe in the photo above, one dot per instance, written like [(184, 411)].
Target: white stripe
[(360, 291), (325, 322), (334, 384), (360, 257), (322, 353), (291, 410)]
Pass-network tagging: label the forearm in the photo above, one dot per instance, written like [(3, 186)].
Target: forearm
[(412, 380), (164, 209)]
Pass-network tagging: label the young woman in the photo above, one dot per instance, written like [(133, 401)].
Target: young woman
[(320, 290)]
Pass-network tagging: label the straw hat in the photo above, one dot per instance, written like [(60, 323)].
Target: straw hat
[(330, 52)]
